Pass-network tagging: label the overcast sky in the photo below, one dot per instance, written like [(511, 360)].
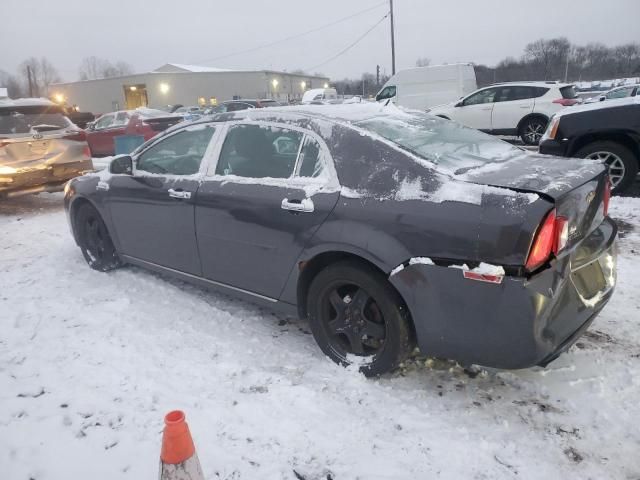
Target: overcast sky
[(147, 34)]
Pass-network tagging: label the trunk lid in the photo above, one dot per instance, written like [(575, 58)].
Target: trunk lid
[(576, 187)]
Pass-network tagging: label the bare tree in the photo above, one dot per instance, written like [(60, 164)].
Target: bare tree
[(628, 58), (12, 84), (423, 62), (548, 56), (93, 67), (37, 75)]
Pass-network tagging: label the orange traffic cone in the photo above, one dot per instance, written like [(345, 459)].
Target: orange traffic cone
[(178, 459)]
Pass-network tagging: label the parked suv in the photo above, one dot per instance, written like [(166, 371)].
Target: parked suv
[(519, 108), (40, 149), (607, 131)]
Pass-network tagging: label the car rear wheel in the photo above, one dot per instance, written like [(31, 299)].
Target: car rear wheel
[(623, 165), (532, 130), (95, 242), (358, 318)]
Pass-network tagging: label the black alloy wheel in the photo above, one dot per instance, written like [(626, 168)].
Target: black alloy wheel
[(95, 243), (357, 317)]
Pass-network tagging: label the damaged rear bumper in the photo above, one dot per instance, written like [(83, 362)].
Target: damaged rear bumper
[(46, 178), (518, 323)]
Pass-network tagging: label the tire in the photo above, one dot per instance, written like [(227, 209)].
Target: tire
[(354, 312), (532, 129), (623, 165), (94, 240)]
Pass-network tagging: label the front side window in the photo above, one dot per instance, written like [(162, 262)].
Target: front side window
[(179, 154), (122, 118), (258, 151), (387, 92), (104, 122), (483, 96), (620, 93)]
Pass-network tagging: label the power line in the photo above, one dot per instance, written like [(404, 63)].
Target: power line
[(292, 37), (342, 52)]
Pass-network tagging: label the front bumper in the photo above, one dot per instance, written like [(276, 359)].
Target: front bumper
[(519, 323), (46, 178)]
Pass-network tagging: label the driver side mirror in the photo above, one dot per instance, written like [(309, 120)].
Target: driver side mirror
[(90, 126), (459, 104), (603, 98), (122, 165)]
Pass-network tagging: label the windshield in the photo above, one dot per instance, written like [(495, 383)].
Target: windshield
[(443, 142), (22, 120)]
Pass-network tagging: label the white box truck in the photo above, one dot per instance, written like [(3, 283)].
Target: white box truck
[(425, 87)]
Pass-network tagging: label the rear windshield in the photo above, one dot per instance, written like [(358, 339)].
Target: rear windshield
[(442, 142), (569, 92), (31, 119)]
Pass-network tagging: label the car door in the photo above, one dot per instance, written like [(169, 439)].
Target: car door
[(512, 103), (258, 208), (97, 137), (153, 210), (475, 110)]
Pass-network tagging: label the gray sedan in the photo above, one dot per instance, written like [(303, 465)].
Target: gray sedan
[(384, 228)]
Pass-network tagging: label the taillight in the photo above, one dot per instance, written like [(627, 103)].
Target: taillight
[(566, 102), (551, 237), (77, 135), (562, 234), (86, 151), (607, 195)]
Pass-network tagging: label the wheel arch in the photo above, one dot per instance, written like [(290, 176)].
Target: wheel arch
[(443, 116), (308, 269), (528, 117), (75, 204), (621, 137)]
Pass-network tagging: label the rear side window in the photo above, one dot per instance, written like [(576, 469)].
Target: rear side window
[(179, 154), (257, 151), (568, 92), (514, 92), (539, 91), (310, 161), (31, 120)]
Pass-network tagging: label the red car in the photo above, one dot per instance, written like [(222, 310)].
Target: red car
[(143, 121)]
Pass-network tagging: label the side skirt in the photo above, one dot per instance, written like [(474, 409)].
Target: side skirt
[(239, 293)]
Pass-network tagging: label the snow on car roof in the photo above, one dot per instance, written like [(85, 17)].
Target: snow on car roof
[(617, 102), (26, 102)]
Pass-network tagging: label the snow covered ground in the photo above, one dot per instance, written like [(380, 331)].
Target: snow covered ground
[(90, 363)]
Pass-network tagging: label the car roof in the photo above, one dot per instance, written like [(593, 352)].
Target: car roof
[(26, 102), (534, 84)]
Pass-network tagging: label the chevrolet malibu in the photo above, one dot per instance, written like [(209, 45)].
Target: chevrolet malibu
[(385, 229)]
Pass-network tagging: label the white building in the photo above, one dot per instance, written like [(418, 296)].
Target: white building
[(183, 84)]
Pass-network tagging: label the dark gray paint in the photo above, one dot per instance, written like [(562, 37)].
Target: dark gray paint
[(246, 241)]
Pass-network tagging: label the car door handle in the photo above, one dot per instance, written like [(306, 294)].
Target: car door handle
[(305, 205), (487, 108), (526, 106), (178, 193)]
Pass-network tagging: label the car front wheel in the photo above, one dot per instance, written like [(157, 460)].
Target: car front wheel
[(623, 165), (532, 130), (94, 240), (358, 318)]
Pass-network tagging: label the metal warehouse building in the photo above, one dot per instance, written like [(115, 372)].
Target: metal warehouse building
[(183, 84)]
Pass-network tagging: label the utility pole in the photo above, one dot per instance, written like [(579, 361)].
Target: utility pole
[(566, 67), (393, 42), (377, 75), (29, 80)]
